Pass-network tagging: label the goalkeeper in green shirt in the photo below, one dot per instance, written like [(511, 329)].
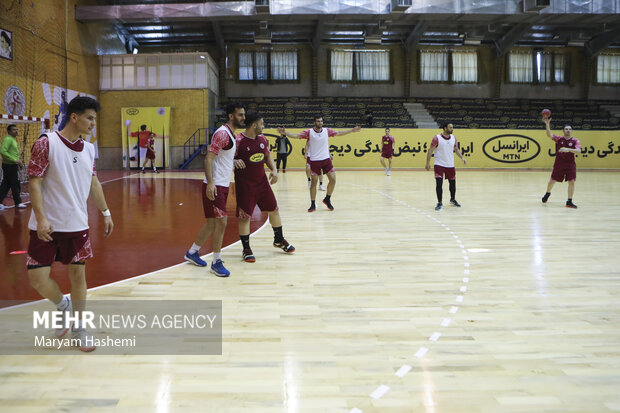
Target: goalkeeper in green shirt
[(9, 150)]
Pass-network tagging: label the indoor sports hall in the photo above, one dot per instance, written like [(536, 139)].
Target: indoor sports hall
[(497, 291)]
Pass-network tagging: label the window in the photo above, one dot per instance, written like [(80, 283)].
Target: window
[(284, 65), (608, 68), (464, 67), (360, 66), (266, 66), (520, 67), (435, 66), (536, 67)]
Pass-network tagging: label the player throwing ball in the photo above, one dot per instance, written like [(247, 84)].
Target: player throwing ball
[(564, 167), (252, 185)]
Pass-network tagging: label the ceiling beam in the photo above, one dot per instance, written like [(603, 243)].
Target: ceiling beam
[(219, 38), (509, 39), (600, 42), (415, 35)]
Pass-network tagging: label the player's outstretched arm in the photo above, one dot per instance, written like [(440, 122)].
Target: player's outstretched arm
[(282, 131), (547, 122), (97, 191), (346, 132)]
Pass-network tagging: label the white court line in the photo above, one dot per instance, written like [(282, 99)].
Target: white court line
[(402, 372), (466, 279), (453, 310), (463, 289), (355, 410), (421, 352), (435, 336), (446, 322), (380, 392), (459, 298)]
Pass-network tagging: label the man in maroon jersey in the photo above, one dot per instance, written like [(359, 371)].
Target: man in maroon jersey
[(252, 186), (564, 167), (387, 150)]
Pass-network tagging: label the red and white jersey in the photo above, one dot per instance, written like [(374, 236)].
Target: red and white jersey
[(388, 143), (318, 143), (565, 158), (444, 150), (223, 145), (68, 170)]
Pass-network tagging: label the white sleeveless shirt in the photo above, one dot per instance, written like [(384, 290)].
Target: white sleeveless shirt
[(318, 145), (66, 186), (223, 164), (444, 152)]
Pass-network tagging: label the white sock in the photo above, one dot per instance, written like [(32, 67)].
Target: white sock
[(154, 168), (194, 248), (63, 304), (217, 256)]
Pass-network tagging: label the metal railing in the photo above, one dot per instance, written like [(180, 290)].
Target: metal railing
[(195, 143)]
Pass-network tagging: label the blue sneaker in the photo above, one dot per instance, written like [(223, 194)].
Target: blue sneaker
[(195, 259), (218, 269)]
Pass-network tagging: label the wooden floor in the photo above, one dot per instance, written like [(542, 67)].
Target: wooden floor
[(503, 305)]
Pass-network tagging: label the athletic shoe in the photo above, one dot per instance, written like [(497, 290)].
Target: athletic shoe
[(218, 269), (284, 245), (21, 206), (60, 332), (143, 171), (388, 173), (83, 340), (546, 197), (455, 203), (312, 207), (438, 207), (569, 204), (2, 207), (155, 171), (322, 188), (328, 204), (309, 183), (248, 255), (195, 259)]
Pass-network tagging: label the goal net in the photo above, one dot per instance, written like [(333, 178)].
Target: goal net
[(29, 130)]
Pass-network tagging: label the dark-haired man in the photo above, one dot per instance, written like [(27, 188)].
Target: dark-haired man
[(252, 185), (444, 146), (318, 157), (10, 168), (219, 164), (62, 176)]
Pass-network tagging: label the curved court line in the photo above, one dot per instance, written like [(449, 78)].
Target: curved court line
[(141, 275), (383, 389)]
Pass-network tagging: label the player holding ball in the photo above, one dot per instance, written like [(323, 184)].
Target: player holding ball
[(564, 167)]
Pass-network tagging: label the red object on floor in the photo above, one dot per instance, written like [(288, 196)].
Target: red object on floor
[(151, 231)]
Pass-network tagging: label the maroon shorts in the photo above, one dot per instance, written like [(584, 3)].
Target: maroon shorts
[(325, 166), (66, 247), (307, 161), (387, 154), (250, 194), (564, 172), (150, 154), (440, 171), (217, 207)]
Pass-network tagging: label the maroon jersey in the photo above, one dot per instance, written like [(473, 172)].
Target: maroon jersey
[(388, 145), (565, 158), (252, 152)]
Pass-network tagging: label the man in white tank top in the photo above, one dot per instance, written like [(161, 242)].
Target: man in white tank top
[(62, 176), (444, 146), (319, 158), (219, 164)]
